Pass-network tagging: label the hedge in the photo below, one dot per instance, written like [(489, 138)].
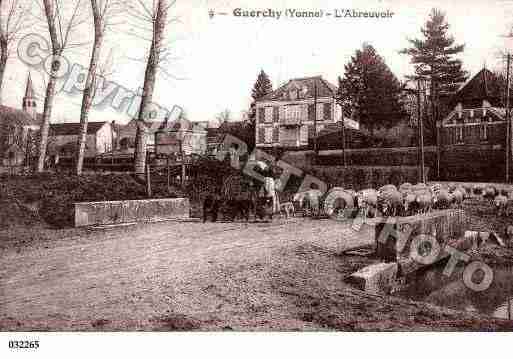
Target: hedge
[(483, 163), (360, 177)]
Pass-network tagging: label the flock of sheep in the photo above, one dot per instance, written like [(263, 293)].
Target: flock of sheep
[(405, 200)]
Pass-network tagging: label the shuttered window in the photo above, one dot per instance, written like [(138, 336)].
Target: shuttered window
[(327, 112), (276, 134), (268, 134), (261, 115), (268, 114), (303, 134), (311, 112), (311, 131), (320, 111), (261, 135)]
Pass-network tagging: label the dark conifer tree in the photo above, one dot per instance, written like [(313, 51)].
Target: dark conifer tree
[(262, 87), (369, 91), (434, 59)]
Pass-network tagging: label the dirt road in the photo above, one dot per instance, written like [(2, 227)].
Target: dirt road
[(286, 275), (127, 278)]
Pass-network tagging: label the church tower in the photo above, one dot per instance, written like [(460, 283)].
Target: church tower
[(29, 100)]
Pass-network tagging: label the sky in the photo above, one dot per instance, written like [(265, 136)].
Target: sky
[(216, 60)]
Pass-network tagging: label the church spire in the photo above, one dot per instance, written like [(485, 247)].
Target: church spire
[(29, 91), (29, 100)]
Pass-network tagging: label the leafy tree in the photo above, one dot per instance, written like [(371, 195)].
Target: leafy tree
[(433, 58), (370, 91)]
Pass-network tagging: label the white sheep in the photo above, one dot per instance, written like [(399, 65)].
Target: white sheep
[(457, 197), (367, 200), (424, 202), (390, 202), (501, 204)]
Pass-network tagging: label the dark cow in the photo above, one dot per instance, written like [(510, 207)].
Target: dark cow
[(238, 208), (264, 208), (211, 207)]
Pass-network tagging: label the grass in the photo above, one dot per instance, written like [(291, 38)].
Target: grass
[(47, 199)]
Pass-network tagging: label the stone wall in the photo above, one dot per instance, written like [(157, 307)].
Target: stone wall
[(394, 238), (117, 212)]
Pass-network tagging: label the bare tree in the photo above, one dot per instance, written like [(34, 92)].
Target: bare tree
[(224, 116), (60, 33), (102, 10), (157, 18), (14, 15)]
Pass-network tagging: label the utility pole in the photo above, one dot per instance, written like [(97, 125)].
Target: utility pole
[(434, 114), (421, 132), (315, 122), (508, 117), (509, 308), (343, 140), (508, 112), (182, 154)]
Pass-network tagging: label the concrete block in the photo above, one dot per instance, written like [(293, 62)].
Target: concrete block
[(393, 239), (376, 278), (494, 236), (117, 212)]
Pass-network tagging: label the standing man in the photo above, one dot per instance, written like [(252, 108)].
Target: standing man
[(270, 191), (277, 189)]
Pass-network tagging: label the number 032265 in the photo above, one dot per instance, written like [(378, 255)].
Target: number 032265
[(23, 344)]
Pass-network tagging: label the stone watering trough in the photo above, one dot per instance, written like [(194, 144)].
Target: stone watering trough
[(406, 244), (119, 212)]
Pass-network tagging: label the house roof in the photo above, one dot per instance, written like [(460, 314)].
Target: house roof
[(484, 85), (305, 86), (73, 128), (237, 129), (14, 116), (153, 126), (180, 125)]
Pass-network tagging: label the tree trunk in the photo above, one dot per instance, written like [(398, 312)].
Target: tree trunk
[(50, 89), (45, 126), (90, 85), (149, 86), (3, 65)]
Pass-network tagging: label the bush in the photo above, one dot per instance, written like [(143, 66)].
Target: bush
[(57, 193)]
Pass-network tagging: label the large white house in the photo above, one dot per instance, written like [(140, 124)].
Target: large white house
[(291, 115)]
